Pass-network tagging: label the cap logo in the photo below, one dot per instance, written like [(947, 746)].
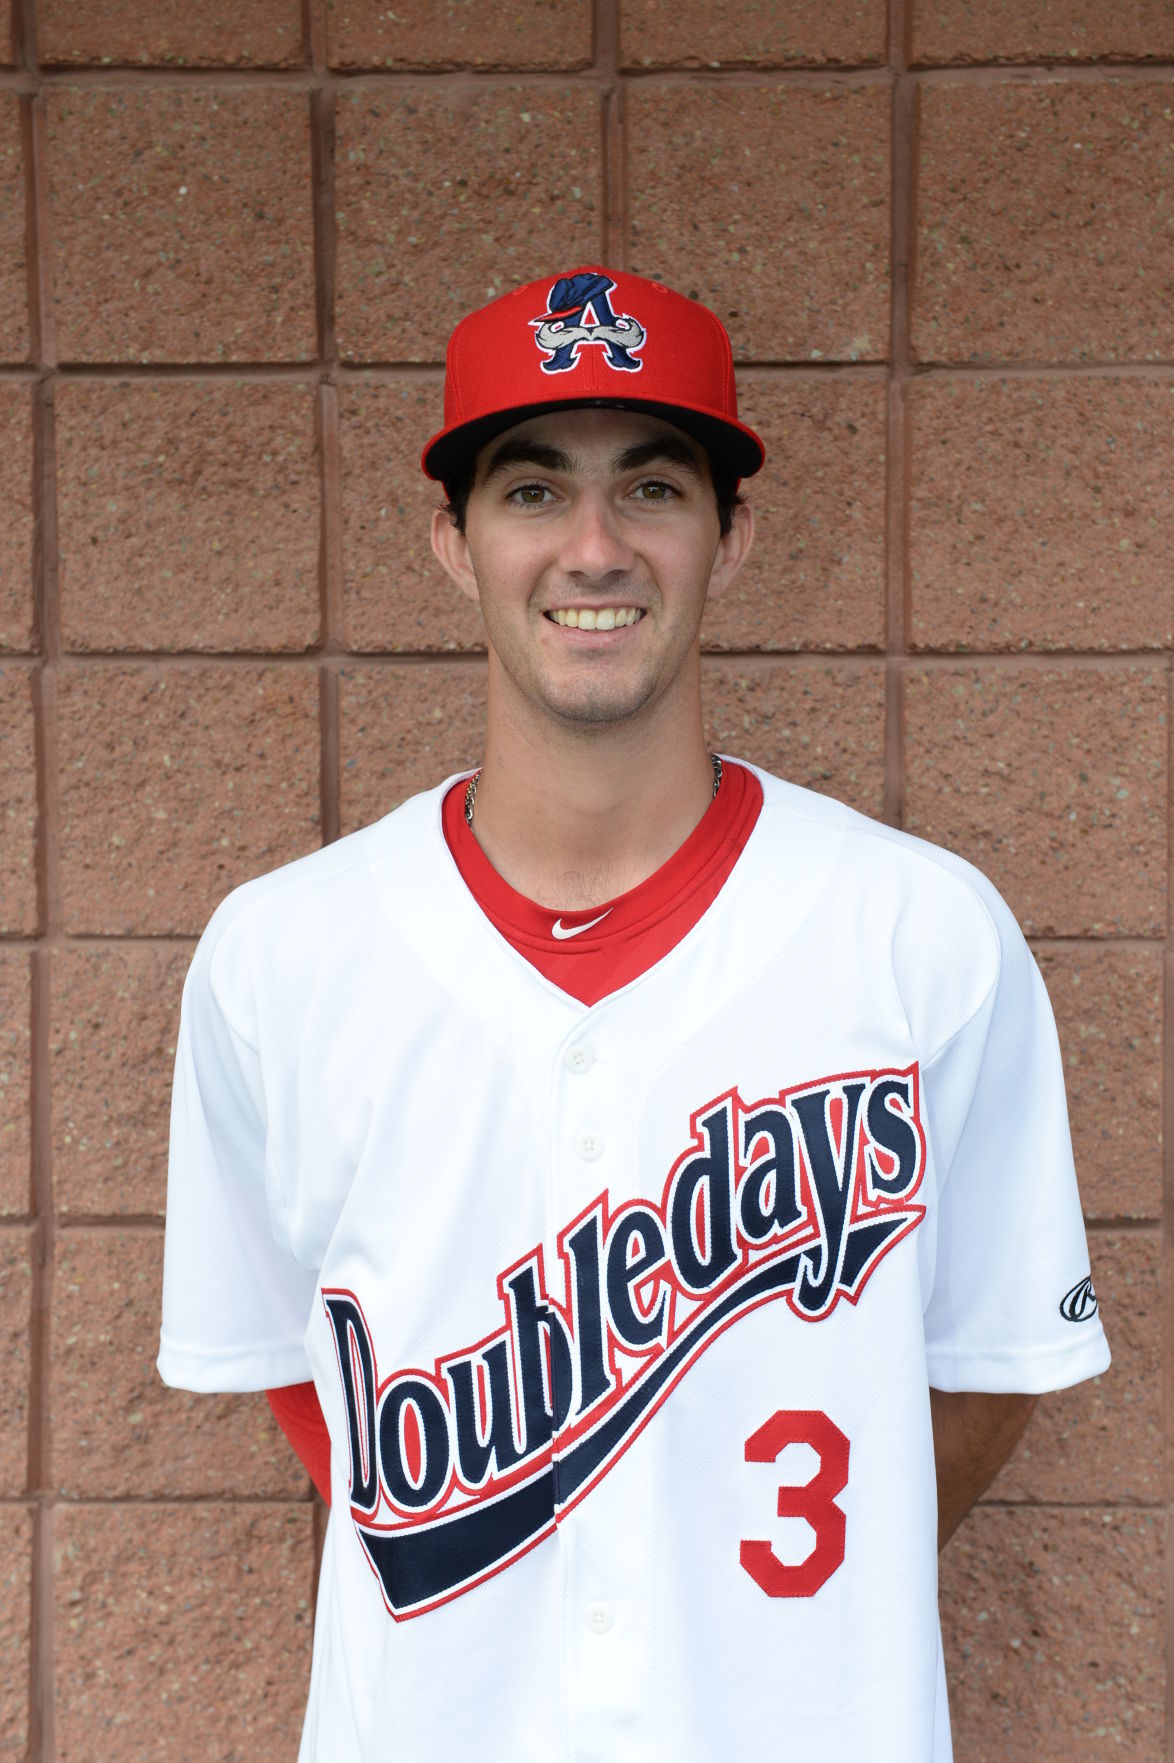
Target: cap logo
[(579, 312)]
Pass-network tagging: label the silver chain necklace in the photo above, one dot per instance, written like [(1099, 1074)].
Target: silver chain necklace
[(471, 787)]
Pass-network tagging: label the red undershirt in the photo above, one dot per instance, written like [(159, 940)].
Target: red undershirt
[(625, 937)]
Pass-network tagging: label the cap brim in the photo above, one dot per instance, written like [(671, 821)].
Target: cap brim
[(732, 445)]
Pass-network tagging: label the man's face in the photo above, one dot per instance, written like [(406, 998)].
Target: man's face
[(592, 540)]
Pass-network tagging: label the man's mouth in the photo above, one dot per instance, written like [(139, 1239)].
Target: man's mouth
[(595, 618)]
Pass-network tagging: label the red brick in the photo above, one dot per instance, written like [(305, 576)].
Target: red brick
[(770, 204), (170, 33), (1042, 514), (818, 726), (815, 579), (1053, 781), (1102, 1439), (181, 1632), (113, 1017), (14, 289), (188, 515), (176, 785), (1043, 225), (397, 595), (406, 729), (117, 1429), (19, 910), (15, 1082), (18, 628), (441, 205), (761, 33), (7, 34), (1070, 30), (16, 1550), (1108, 1005), (182, 224), (451, 33), (16, 1278), (1052, 1623)]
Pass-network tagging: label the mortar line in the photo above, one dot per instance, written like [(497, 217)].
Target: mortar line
[(901, 173), (930, 660), (605, 34), (1160, 372), (42, 1724)]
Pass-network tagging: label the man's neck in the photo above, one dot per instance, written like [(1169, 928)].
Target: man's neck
[(571, 820)]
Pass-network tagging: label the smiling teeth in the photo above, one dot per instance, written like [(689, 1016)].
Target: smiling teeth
[(585, 618)]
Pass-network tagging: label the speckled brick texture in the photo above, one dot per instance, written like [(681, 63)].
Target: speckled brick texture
[(786, 239), (14, 278), (16, 1549), (170, 33), (1042, 514), (182, 223), (19, 908), (757, 33), (816, 575), (119, 1431), (1103, 1439), (1052, 30), (1031, 1675), (149, 1619), (439, 208), (819, 725), (188, 515), (405, 729), (18, 628), (1108, 1008), (7, 34), (458, 33), (397, 596), (178, 785), (113, 1020), (1044, 226), (1054, 782), (16, 1284), (15, 1081)]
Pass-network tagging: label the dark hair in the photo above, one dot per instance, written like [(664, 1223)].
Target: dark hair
[(725, 489)]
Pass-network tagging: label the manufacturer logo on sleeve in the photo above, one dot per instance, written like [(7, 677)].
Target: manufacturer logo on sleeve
[(459, 1468), (1080, 1304)]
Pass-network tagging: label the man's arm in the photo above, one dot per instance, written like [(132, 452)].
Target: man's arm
[(974, 1433)]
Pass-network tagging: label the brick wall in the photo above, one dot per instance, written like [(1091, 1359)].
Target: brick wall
[(232, 240)]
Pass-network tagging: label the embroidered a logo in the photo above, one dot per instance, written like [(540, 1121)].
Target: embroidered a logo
[(1080, 1304), (579, 313), (457, 1470)]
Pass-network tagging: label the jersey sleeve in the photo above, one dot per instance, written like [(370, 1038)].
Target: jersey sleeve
[(1009, 1309), (236, 1301)]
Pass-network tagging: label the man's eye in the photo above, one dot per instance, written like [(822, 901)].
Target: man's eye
[(529, 495), (654, 491)]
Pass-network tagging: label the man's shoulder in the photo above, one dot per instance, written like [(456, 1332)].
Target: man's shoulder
[(314, 895)]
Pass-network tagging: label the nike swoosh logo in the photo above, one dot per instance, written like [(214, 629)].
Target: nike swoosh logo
[(562, 932)]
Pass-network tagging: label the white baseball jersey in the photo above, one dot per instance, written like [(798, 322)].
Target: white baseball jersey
[(623, 1318)]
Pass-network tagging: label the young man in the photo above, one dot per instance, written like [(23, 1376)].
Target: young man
[(643, 1186)]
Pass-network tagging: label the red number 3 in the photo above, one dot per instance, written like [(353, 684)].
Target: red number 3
[(814, 1500)]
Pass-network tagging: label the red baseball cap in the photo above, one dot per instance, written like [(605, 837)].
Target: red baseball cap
[(591, 336)]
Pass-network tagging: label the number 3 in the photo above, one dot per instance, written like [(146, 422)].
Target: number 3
[(814, 1500)]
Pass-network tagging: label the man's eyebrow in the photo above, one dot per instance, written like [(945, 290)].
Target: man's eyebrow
[(671, 449), (523, 452)]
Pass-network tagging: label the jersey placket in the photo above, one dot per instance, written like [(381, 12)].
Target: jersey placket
[(603, 1644)]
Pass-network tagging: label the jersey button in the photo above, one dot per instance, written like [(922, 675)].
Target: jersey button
[(590, 1146), (579, 1059), (598, 1617)]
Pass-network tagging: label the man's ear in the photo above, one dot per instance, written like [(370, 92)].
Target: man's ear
[(733, 548), (452, 552)]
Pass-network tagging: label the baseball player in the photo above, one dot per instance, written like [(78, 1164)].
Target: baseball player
[(643, 1186)]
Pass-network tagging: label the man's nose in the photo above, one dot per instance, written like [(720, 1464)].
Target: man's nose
[(594, 545)]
